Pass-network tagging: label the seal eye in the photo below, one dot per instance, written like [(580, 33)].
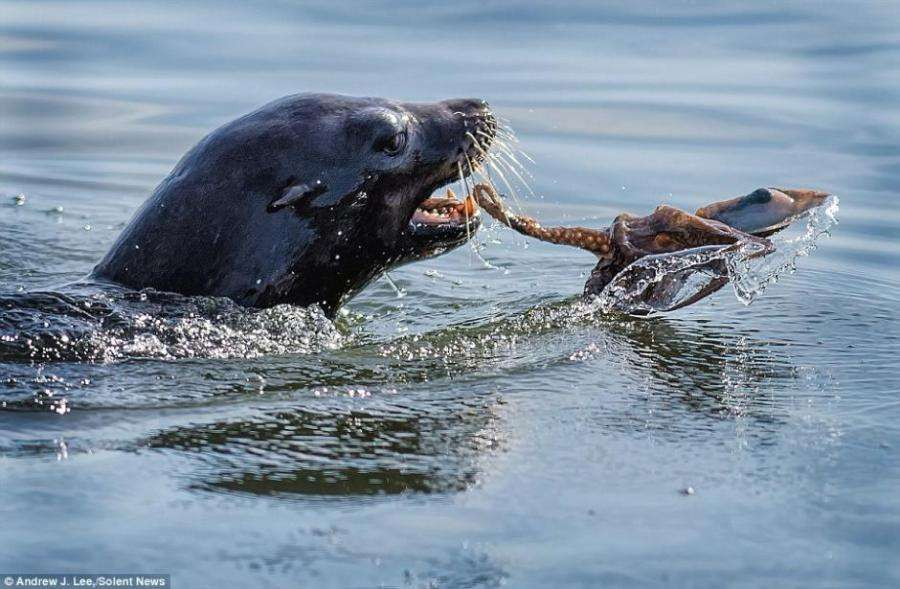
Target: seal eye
[(394, 144)]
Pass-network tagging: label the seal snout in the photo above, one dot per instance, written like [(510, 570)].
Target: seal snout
[(477, 124)]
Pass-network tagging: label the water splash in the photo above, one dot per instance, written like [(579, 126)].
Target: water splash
[(116, 324), (235, 333), (666, 282), (750, 278)]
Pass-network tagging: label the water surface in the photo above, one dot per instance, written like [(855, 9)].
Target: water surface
[(482, 429)]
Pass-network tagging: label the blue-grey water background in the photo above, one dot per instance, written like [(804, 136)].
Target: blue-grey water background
[(477, 431)]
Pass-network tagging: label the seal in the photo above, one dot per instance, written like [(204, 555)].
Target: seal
[(306, 200)]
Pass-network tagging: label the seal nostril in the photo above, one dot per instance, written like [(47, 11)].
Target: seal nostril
[(468, 107)]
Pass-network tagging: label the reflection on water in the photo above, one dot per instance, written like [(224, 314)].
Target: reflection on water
[(388, 448), (487, 427), (708, 371)]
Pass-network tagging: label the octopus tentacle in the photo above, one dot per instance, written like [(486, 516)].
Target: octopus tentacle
[(595, 241)]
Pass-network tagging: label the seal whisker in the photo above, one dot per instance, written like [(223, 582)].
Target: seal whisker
[(496, 164), (507, 133), (401, 292), (471, 195), (502, 153), (467, 192), (487, 161), (485, 155), (492, 159), (502, 148), (513, 171)]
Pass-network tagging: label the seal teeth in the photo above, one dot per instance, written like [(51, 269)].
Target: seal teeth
[(449, 208), (469, 207)]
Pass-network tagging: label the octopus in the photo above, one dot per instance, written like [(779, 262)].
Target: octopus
[(741, 224)]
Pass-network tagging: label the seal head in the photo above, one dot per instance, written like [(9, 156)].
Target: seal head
[(306, 200)]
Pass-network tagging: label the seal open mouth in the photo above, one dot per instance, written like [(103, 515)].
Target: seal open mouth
[(446, 210), (441, 223)]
